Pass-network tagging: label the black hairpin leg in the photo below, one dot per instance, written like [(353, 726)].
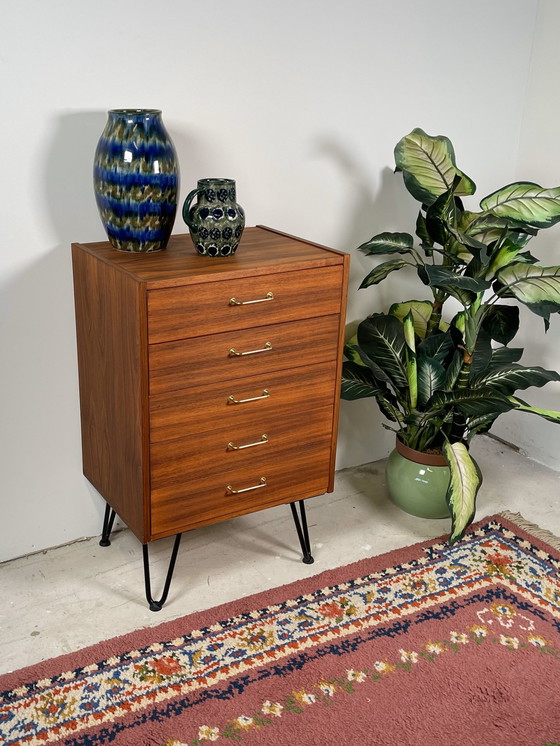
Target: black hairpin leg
[(108, 521), (302, 532), (157, 605)]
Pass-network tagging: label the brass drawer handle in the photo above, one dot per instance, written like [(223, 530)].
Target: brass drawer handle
[(231, 447), (232, 400), (234, 353), (235, 302), (230, 489)]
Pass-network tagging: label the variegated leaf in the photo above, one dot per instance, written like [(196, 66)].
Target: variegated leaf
[(526, 202), (428, 166), (463, 487)]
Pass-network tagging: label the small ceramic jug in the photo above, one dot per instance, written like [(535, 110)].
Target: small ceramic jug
[(216, 222)]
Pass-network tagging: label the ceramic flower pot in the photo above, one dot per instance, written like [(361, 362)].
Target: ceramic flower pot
[(136, 180), (417, 482)]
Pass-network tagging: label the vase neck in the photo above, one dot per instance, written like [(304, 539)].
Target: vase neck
[(216, 189), (135, 114)]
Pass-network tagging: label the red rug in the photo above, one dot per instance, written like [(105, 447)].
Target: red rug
[(429, 644)]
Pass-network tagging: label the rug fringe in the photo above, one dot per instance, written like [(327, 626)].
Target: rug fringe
[(540, 533)]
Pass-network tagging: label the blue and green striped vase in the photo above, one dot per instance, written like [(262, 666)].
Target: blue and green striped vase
[(136, 180)]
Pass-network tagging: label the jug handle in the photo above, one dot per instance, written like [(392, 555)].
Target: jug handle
[(187, 206)]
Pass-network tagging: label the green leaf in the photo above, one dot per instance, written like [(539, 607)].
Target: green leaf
[(389, 406), (463, 487), (378, 372), (488, 228), (537, 287), (547, 414), (471, 402), (431, 378), (526, 202), (350, 350), (421, 311), (381, 337), (439, 346), (381, 271), (504, 355), (509, 378), (464, 289), (428, 166), (481, 424), (503, 256), (453, 370), (422, 230), (526, 256), (358, 382), (482, 353), (443, 278), (440, 215), (388, 243), (501, 322), (411, 367)]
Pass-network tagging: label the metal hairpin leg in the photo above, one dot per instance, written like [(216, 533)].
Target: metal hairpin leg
[(105, 541), (302, 532), (157, 605), (108, 521)]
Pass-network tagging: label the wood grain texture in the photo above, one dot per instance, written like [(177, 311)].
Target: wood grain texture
[(155, 417), (205, 360), (338, 374), (197, 409), (197, 310), (261, 251), (190, 475), (110, 318)]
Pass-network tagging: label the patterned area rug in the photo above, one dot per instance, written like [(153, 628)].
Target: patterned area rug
[(428, 644)]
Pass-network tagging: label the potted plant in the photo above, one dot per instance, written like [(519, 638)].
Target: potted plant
[(442, 369)]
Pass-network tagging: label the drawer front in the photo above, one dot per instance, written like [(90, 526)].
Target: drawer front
[(212, 307), (200, 480), (247, 352), (239, 403)]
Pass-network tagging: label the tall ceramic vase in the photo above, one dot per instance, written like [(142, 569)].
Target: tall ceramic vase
[(136, 180), (216, 221)]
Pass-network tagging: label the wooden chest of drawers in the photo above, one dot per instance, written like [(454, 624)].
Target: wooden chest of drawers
[(209, 387)]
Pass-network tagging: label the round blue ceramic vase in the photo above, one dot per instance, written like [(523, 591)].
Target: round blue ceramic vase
[(136, 180)]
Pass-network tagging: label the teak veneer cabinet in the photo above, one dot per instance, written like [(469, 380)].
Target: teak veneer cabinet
[(209, 387)]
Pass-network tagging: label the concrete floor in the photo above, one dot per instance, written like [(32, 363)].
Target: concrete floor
[(63, 599)]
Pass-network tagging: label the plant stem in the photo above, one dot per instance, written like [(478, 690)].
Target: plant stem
[(435, 317), (465, 372)]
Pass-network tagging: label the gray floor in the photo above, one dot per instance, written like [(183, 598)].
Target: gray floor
[(66, 598)]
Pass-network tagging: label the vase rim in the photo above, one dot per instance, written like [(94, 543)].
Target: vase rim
[(135, 112), (205, 182), (419, 457)]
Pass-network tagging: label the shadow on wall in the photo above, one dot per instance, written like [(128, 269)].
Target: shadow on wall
[(69, 196), (42, 458), (45, 500), (361, 436)]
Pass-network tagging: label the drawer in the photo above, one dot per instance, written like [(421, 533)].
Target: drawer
[(238, 403), (211, 307), (190, 477), (248, 352)]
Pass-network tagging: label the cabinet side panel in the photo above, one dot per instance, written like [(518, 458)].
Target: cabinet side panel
[(340, 356), (111, 335)]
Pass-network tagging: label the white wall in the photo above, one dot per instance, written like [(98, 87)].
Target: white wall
[(301, 101), (539, 161)]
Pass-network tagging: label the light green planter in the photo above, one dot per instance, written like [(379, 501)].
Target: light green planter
[(417, 482)]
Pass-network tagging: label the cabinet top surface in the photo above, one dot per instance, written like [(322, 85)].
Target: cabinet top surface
[(261, 251)]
